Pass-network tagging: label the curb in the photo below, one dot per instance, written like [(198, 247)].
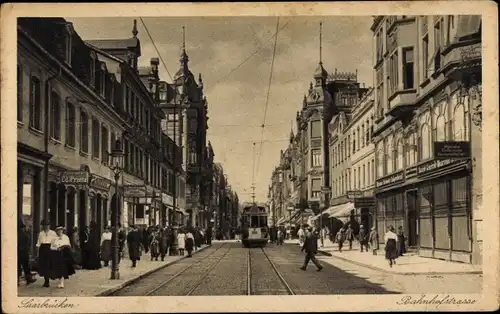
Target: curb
[(149, 272), (325, 253)]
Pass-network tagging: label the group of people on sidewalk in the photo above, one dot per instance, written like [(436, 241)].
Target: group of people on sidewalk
[(394, 243), (60, 254)]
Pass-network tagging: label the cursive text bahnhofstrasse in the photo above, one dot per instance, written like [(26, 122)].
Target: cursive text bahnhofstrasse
[(434, 300)]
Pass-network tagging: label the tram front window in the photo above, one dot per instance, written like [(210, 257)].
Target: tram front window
[(254, 222), (263, 221)]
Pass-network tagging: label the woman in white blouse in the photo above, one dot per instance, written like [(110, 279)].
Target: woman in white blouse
[(181, 241), (44, 253), (62, 258), (391, 249), (106, 246)]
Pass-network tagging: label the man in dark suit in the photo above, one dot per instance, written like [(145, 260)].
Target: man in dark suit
[(311, 248), (23, 253)]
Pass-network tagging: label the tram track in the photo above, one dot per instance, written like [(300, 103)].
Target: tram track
[(251, 290)]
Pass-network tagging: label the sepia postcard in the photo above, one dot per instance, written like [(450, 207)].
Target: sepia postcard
[(250, 157)]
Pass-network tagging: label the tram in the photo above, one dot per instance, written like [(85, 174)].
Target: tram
[(255, 231)]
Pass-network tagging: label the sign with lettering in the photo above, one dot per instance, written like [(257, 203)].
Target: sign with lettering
[(100, 183), (434, 164), (364, 202), (392, 179), (75, 177), (135, 190), (455, 150), (354, 194)]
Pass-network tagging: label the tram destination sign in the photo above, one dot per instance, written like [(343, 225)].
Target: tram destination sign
[(452, 149)]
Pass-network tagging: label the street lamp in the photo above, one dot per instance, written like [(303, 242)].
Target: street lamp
[(116, 165), (323, 206)]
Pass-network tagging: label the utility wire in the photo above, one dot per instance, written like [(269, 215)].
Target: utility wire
[(156, 48), (250, 56), (268, 92)]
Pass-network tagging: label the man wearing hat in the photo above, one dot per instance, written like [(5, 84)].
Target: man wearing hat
[(23, 253), (363, 238), (44, 256), (311, 247)]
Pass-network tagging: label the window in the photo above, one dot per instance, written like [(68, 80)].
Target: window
[(103, 83), (393, 73), (35, 104), (55, 116), (70, 125), (425, 142), (379, 45), (440, 131), (19, 93), (399, 155), (316, 157), (380, 91), (438, 28), (84, 132), (451, 27), (354, 142), (459, 123), (425, 57), (67, 46), (359, 177), (380, 162), (92, 70), (315, 129), (105, 144), (411, 150), (342, 155), (139, 211), (364, 176), (112, 91), (408, 68), (315, 188), (126, 99), (368, 174), (96, 138), (367, 136), (362, 136)]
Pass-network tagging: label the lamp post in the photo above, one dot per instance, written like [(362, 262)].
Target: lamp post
[(323, 206), (116, 165)]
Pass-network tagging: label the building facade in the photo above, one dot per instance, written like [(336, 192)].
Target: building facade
[(427, 90)]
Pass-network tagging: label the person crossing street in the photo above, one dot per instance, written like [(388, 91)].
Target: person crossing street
[(311, 248)]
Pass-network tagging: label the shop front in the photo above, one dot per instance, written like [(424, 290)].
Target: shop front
[(432, 204)]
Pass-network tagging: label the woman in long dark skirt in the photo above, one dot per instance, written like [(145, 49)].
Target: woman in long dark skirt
[(189, 240), (93, 248), (61, 258), (163, 243), (401, 241), (106, 239), (154, 245), (44, 255), (134, 243), (391, 249)]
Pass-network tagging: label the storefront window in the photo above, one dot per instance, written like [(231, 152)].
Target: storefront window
[(459, 193), (425, 199), (441, 197)]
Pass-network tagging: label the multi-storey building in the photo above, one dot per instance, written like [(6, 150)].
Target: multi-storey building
[(427, 89), (75, 99), (352, 161)]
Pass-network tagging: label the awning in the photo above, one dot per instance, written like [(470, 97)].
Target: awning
[(341, 212), (281, 220)]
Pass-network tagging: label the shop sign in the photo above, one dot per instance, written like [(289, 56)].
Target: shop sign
[(100, 183), (452, 149), (354, 194), (392, 179), (135, 190), (75, 177), (364, 202), (434, 164)]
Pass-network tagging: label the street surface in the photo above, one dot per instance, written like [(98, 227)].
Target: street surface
[(227, 268)]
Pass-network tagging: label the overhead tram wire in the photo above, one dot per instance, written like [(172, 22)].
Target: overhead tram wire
[(156, 48), (268, 92)]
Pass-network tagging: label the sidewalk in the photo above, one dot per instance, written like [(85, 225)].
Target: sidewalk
[(409, 264), (97, 282)]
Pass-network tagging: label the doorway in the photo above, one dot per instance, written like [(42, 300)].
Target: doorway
[(412, 217)]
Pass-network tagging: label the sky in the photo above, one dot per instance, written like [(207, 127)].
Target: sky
[(236, 92)]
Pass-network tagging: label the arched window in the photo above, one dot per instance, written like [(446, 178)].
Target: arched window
[(425, 142), (399, 155), (84, 132), (440, 131), (380, 162), (459, 126)]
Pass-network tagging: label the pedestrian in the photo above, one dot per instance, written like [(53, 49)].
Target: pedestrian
[(373, 239), (163, 243), (279, 236), (93, 248), (134, 243), (84, 247), (209, 235), (301, 234), (155, 245), (106, 246), (122, 237), (44, 256), (401, 241), (76, 248), (391, 250), (349, 236), (340, 238), (288, 234), (61, 257), (181, 241), (311, 248), (189, 239), (145, 240), (363, 238), (202, 237), (23, 253)]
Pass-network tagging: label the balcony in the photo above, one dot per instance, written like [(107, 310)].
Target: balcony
[(402, 104)]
